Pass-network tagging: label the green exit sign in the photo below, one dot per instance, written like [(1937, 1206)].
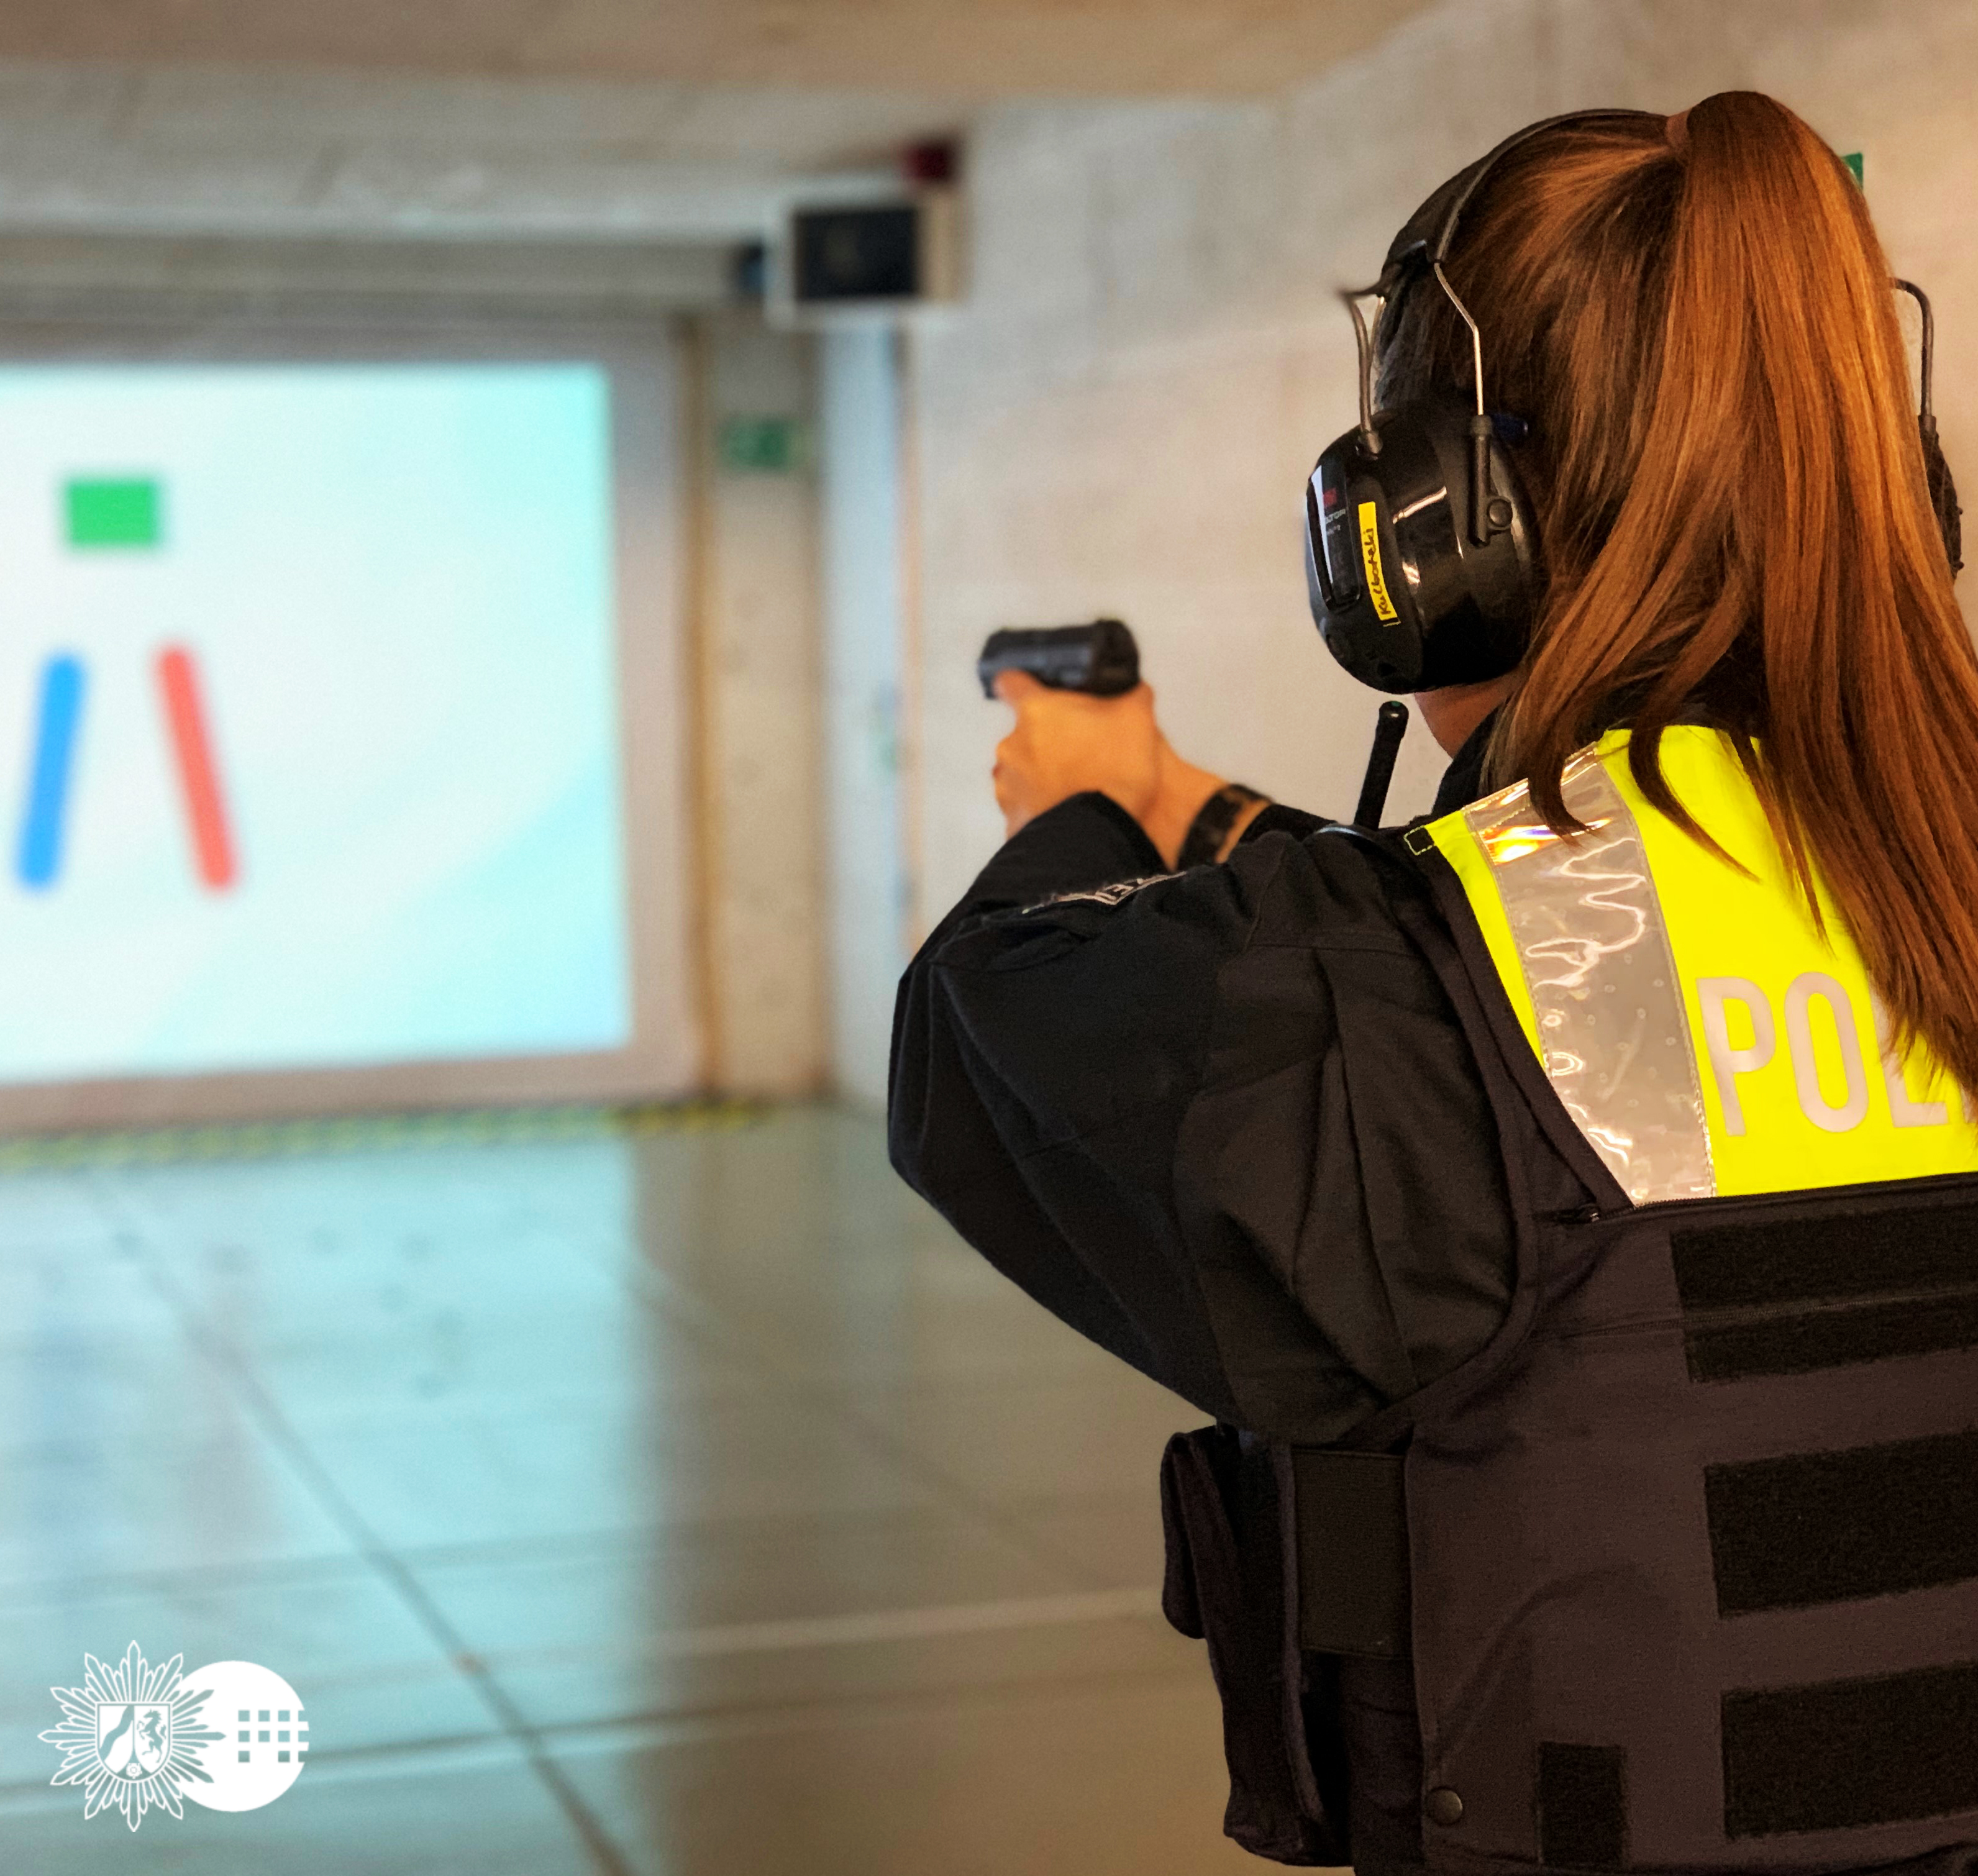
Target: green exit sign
[(113, 511), (765, 446)]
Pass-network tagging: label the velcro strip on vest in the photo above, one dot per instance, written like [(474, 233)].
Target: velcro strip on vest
[(1582, 1806), (1842, 1754), (1795, 1296), (1831, 1527), (1352, 1521)]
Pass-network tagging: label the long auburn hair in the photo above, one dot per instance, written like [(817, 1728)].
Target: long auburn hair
[(1699, 324)]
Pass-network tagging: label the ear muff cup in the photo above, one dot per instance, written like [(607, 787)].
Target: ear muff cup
[(1403, 598)]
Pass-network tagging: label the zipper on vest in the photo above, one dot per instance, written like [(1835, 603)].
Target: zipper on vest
[(1594, 1214)]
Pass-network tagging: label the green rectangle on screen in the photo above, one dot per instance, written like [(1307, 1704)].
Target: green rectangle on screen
[(121, 511)]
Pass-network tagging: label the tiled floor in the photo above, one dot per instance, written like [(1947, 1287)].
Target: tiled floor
[(691, 1504)]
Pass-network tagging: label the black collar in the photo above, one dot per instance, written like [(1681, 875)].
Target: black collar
[(1463, 780)]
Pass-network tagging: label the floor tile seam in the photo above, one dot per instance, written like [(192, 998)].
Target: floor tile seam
[(690, 1309), (770, 1533), (718, 1718), (330, 1498), (1010, 1521), (878, 1442), (495, 1749), (697, 1315), (864, 1628), (45, 1592), (615, 1409), (613, 1733), (495, 1743), (512, 1723)]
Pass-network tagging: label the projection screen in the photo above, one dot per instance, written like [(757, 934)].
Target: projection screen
[(340, 760)]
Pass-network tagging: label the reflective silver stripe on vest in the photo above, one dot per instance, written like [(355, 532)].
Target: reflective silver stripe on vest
[(1596, 956)]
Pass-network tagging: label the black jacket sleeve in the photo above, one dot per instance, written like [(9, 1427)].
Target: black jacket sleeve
[(1222, 1122)]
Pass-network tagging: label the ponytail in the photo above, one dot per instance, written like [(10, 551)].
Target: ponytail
[(1733, 503)]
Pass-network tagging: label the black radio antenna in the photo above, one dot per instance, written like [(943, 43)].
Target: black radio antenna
[(1389, 727)]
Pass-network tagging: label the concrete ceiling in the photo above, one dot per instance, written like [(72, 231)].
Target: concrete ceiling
[(177, 151), (961, 49)]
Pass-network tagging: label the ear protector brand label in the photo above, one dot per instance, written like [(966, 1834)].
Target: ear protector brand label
[(1370, 556)]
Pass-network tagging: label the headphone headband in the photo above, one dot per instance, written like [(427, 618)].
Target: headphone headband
[(1428, 234), (1420, 248)]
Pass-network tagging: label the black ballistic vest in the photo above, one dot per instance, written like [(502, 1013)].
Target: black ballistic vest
[(1684, 1561)]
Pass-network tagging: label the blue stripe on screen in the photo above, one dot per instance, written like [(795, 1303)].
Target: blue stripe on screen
[(40, 857)]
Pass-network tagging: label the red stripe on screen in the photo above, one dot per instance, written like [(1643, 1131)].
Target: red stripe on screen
[(212, 844)]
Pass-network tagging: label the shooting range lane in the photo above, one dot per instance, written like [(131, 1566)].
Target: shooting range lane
[(691, 1499)]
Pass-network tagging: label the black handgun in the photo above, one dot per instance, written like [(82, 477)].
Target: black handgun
[(1100, 659)]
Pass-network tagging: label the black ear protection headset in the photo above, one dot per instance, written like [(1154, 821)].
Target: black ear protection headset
[(1421, 554)]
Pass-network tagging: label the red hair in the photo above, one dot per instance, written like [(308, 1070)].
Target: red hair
[(1732, 505)]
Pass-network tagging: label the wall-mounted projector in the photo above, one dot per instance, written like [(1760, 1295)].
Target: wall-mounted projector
[(858, 258), (862, 253), (853, 248)]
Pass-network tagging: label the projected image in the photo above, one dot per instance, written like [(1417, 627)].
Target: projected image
[(310, 679)]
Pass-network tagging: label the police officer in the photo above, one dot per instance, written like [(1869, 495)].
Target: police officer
[(1566, 1207)]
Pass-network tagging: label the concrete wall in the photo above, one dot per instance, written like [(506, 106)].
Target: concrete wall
[(1120, 418), (760, 679), (864, 569)]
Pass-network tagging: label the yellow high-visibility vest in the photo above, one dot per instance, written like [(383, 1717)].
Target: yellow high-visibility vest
[(1704, 1035)]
